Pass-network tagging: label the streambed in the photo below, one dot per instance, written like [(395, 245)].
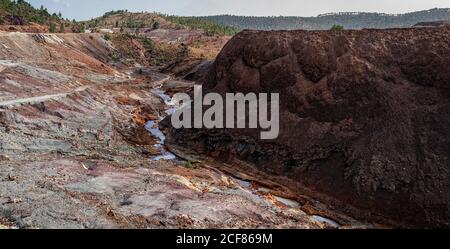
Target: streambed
[(260, 193)]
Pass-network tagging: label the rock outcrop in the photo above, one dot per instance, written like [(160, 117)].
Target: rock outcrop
[(364, 116), (189, 69)]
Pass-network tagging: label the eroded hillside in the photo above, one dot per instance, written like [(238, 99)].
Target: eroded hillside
[(364, 118), (80, 148)]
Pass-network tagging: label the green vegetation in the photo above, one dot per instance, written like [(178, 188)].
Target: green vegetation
[(156, 25), (154, 53), (129, 22), (52, 27), (160, 56), (62, 28), (78, 28), (349, 20), (114, 12), (20, 13), (210, 27), (107, 37), (103, 21), (149, 45), (134, 24), (132, 21), (337, 27), (158, 53), (191, 165)]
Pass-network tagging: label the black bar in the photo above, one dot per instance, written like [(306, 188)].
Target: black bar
[(169, 238)]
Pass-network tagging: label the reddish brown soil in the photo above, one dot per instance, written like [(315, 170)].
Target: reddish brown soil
[(364, 116)]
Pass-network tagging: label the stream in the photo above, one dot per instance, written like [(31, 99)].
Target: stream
[(152, 126), (286, 202)]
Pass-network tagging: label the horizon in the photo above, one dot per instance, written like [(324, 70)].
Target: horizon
[(76, 9)]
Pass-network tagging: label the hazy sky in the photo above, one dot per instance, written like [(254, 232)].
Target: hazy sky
[(86, 9)]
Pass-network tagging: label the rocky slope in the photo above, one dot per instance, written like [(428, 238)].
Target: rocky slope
[(74, 152), (364, 118)]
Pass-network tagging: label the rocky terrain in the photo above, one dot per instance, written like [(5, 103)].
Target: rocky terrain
[(83, 124), (80, 147), (364, 119)]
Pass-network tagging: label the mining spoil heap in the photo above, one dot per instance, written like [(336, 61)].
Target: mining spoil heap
[(364, 117)]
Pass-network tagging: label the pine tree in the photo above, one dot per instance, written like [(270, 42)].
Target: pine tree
[(52, 27)]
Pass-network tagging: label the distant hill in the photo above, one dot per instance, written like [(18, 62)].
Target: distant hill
[(22, 13), (350, 20), (125, 19), (21, 16)]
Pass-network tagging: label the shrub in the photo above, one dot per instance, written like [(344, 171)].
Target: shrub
[(156, 25), (191, 164), (107, 37), (149, 45), (337, 27), (78, 28), (52, 28)]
